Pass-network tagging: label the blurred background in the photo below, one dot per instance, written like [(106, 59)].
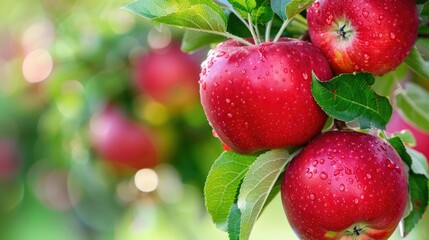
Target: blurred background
[(101, 132)]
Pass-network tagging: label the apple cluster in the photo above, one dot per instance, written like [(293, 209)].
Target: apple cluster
[(343, 184)]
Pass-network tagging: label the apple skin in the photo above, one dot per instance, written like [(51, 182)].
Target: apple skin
[(122, 142), (342, 180), (398, 123), (377, 36), (259, 97), (168, 76)]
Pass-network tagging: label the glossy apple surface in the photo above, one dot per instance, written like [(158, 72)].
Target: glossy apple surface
[(345, 185), (121, 141), (398, 123), (169, 76), (259, 97), (363, 35)]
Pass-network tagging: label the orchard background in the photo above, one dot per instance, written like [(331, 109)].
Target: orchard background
[(66, 64)]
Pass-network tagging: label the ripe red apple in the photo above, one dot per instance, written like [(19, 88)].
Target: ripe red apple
[(121, 141), (259, 97), (169, 76), (345, 185), (363, 35), (398, 122)]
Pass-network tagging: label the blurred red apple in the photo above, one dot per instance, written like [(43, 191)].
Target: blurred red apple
[(169, 76), (122, 141), (9, 159), (398, 122)]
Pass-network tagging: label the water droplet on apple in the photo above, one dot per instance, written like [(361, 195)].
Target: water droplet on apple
[(362, 196), (322, 161), (348, 171), (356, 201), (342, 187), (392, 35), (305, 75), (368, 175), (365, 13), (333, 163), (323, 176), (229, 115), (316, 4), (390, 164), (227, 100), (309, 175), (254, 67), (204, 86), (315, 162), (312, 196), (221, 53), (246, 125), (216, 84)]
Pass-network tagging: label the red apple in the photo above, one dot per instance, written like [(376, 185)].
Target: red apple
[(121, 141), (345, 185), (169, 76), (363, 35), (398, 122), (259, 97)]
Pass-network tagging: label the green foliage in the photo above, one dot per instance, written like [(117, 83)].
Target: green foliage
[(416, 63), (413, 103), (296, 6), (203, 15), (222, 183), (349, 97), (418, 186), (260, 11), (257, 185)]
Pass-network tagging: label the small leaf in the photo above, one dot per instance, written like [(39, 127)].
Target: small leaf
[(420, 164), (234, 219), (257, 185), (397, 144), (193, 40), (418, 186), (416, 62), (260, 11), (202, 15), (297, 6), (349, 97), (222, 183), (279, 7), (413, 104), (406, 137), (425, 9)]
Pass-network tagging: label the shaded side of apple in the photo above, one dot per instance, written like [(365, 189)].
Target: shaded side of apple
[(122, 141), (345, 184), (259, 97)]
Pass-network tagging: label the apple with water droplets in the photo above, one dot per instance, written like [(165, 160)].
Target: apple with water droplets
[(345, 185), (259, 97), (398, 122), (363, 35), (121, 141)]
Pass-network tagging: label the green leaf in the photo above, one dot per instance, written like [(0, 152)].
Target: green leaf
[(279, 7), (222, 184), (416, 62), (297, 6), (420, 164), (193, 40), (349, 97), (257, 185), (234, 219), (425, 9), (384, 85), (418, 186), (413, 104), (397, 144), (406, 137), (202, 15), (260, 11)]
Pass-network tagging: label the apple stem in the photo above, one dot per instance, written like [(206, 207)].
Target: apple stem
[(238, 39), (268, 30), (282, 28), (252, 28)]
